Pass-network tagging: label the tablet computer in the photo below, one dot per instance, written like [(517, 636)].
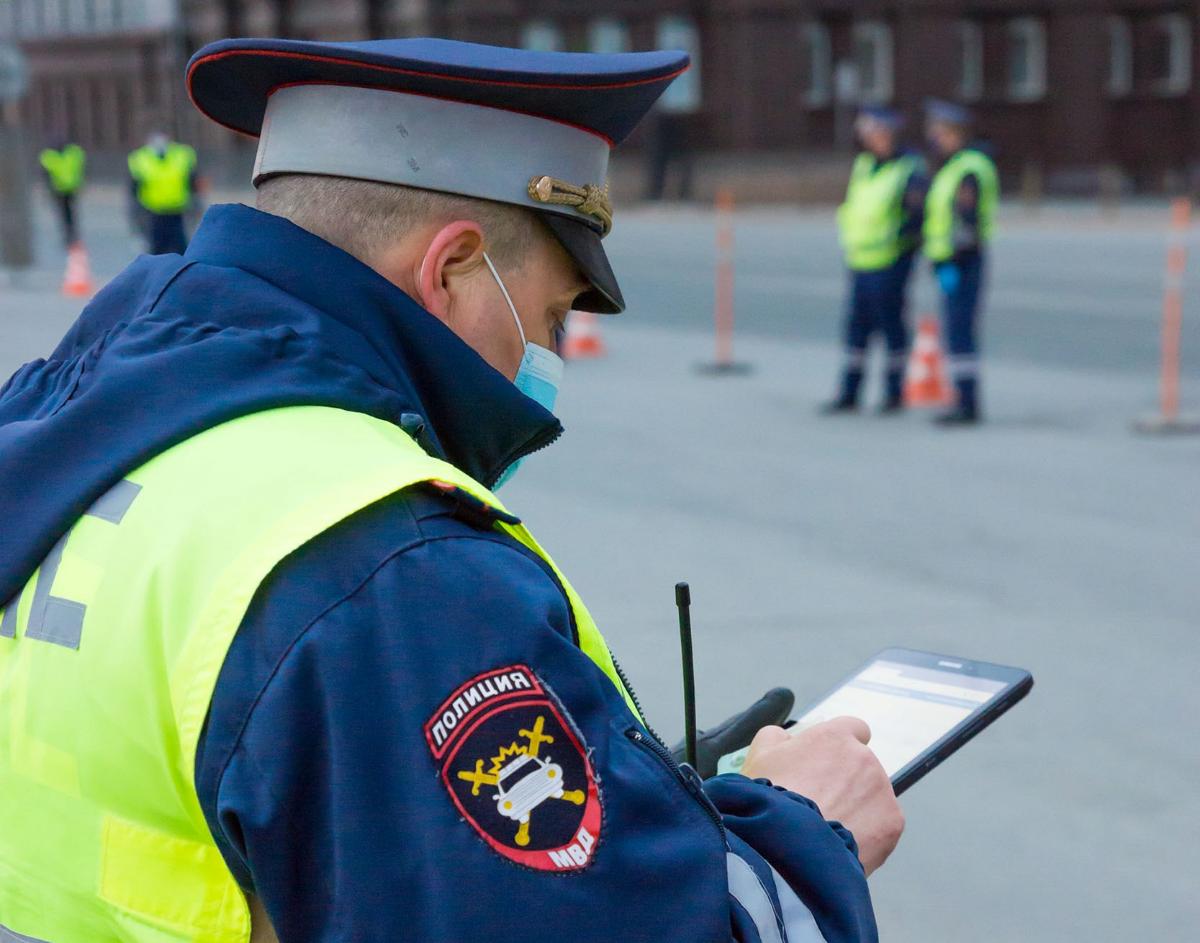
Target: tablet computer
[(921, 707)]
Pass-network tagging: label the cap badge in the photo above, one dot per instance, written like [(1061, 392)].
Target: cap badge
[(590, 199)]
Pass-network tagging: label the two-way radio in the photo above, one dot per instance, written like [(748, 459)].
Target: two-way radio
[(683, 601)]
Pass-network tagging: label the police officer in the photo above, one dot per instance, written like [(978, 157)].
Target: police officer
[(163, 177), (960, 217), (880, 225), (65, 164), (272, 649)]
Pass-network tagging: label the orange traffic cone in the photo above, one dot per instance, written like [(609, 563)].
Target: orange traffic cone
[(583, 337), (925, 383), (77, 282)]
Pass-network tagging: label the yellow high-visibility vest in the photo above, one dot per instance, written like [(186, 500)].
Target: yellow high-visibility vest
[(164, 181), (870, 218), (109, 657), (938, 231), (64, 168)]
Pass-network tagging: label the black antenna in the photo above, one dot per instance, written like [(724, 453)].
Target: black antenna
[(683, 600)]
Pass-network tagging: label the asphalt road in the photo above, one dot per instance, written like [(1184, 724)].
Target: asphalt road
[(1071, 287), (1051, 538)]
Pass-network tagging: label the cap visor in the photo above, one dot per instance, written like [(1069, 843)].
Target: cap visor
[(583, 246)]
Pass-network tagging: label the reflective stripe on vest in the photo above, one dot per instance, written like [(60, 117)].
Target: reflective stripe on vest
[(164, 180), (64, 168), (939, 205), (870, 218), (110, 654)]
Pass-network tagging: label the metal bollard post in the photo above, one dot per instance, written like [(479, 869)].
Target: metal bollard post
[(723, 290), (1169, 419)]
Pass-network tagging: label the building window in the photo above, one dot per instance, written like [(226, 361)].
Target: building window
[(1120, 57), (1172, 54), (818, 50), (1026, 59), (72, 21), (105, 15), (45, 93), (684, 94), (100, 135), (79, 15), (541, 36), (970, 44), (873, 61), (608, 35), (36, 18), (124, 99)]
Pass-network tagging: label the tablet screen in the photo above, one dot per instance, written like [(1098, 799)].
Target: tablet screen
[(908, 708)]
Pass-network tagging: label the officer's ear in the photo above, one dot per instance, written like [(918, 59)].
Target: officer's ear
[(453, 256)]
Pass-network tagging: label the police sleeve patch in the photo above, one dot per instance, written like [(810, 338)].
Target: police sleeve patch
[(517, 771)]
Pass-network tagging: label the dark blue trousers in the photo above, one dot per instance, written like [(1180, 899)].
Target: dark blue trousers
[(167, 234), (960, 324), (876, 306), (66, 212)]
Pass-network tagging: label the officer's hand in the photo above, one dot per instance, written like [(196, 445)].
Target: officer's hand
[(949, 277), (738, 731), (831, 764)]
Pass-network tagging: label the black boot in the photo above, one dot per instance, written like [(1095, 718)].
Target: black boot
[(838, 406), (966, 412), (958, 416), (847, 399), (893, 401)]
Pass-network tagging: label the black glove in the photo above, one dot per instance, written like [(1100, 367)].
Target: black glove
[(737, 732)]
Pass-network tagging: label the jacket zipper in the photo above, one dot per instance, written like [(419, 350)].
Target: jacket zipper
[(691, 783), (654, 743), (636, 703)]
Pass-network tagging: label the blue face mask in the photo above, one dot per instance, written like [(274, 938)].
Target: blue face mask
[(540, 372)]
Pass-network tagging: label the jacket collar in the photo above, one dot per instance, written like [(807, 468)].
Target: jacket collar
[(475, 417)]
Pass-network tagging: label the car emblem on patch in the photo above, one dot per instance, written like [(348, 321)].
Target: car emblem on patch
[(517, 770)]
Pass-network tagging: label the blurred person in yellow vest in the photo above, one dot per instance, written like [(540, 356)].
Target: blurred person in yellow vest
[(960, 217), (163, 182), (65, 165), (880, 225)]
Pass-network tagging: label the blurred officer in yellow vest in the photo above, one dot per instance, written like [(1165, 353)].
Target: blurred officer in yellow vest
[(879, 224), (65, 164), (960, 217), (163, 180)]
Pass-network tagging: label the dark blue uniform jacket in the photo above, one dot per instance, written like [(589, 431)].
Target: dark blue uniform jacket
[(315, 771)]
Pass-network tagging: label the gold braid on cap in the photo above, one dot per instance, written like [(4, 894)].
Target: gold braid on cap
[(589, 199)]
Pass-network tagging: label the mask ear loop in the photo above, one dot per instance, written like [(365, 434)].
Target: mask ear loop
[(507, 298)]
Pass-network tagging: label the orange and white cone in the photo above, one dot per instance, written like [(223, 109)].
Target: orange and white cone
[(77, 281), (925, 383), (583, 338)]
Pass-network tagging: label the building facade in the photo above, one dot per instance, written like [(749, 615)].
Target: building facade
[(1067, 91)]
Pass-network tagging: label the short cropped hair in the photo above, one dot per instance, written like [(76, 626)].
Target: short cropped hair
[(363, 217)]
